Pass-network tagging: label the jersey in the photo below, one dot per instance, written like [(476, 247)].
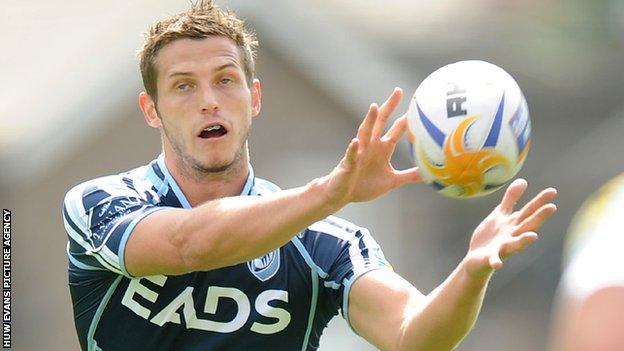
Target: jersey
[(280, 301), (593, 258)]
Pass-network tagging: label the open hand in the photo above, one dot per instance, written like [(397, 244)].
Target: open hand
[(365, 172), (505, 232)]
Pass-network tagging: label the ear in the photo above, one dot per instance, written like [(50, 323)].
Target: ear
[(148, 107), (256, 97)]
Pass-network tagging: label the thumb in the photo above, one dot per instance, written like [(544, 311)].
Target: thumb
[(406, 176), (495, 261), (478, 263)]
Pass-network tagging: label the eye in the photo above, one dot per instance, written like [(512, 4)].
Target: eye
[(183, 87), (226, 81)]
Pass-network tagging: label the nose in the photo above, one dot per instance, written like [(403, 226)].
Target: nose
[(208, 100)]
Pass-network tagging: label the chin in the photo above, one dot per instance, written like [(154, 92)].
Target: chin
[(218, 162), (215, 166)]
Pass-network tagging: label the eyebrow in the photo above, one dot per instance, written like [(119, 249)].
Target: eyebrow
[(187, 74), (176, 74), (225, 66)]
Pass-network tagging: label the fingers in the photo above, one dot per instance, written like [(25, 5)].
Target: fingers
[(396, 131), (392, 102), (513, 246), (535, 220), (366, 128), (538, 201), (410, 175), (351, 154), (517, 244), (512, 195), (385, 111), (375, 121)]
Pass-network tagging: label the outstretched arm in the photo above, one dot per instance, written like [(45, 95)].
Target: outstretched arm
[(232, 230), (393, 315)]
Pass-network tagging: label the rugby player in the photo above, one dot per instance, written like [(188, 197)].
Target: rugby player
[(193, 252), (589, 315)]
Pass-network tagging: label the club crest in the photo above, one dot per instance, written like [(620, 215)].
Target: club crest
[(266, 266)]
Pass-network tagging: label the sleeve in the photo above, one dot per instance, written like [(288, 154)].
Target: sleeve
[(98, 219), (344, 252)]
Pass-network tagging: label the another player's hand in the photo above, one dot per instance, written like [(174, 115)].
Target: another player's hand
[(505, 232), (365, 172)]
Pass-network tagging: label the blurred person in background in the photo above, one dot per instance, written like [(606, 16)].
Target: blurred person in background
[(589, 315), (193, 252)]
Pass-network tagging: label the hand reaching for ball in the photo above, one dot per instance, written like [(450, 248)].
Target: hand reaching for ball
[(365, 172), (505, 232)]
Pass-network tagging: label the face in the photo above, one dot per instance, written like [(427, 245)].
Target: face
[(204, 104)]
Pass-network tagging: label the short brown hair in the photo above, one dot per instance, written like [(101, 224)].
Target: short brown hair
[(202, 20)]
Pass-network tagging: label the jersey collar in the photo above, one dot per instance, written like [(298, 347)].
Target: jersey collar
[(248, 189)]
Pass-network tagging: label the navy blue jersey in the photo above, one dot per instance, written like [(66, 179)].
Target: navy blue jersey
[(280, 301)]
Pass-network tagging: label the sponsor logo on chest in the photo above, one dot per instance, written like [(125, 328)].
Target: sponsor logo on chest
[(184, 305)]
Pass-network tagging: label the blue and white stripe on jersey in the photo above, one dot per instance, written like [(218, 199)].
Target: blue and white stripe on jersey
[(307, 281), (359, 254), (99, 218)]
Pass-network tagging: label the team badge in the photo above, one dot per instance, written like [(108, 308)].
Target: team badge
[(265, 267)]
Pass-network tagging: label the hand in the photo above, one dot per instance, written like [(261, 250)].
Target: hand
[(365, 172), (505, 232)]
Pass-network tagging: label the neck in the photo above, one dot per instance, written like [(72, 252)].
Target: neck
[(202, 187)]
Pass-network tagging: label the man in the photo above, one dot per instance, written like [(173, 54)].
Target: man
[(177, 255), (590, 311)]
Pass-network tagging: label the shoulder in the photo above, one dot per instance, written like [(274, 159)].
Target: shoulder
[(337, 228), (264, 187), (130, 184), (334, 237), (103, 199)]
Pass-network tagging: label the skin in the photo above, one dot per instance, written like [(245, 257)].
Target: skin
[(194, 92), (441, 319), (223, 229), (593, 323)]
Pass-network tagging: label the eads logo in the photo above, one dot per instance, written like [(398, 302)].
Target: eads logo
[(263, 268)]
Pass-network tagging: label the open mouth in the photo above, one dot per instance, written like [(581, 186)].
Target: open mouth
[(213, 131)]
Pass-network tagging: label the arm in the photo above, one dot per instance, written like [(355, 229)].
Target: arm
[(411, 320), (231, 230), (222, 232), (390, 313)]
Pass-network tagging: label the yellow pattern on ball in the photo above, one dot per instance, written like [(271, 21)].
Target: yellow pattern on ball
[(464, 168)]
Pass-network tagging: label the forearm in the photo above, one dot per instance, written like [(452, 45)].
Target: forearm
[(232, 230), (447, 314)]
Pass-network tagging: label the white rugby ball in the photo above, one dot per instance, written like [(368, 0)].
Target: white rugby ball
[(469, 128)]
